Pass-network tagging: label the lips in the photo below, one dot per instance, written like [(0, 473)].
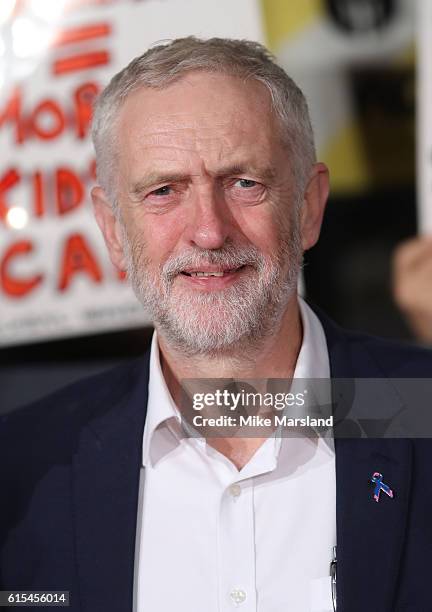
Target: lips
[(210, 272)]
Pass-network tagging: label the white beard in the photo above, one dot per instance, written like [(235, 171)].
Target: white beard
[(238, 316)]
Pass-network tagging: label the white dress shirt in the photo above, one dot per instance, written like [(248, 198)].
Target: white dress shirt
[(212, 538)]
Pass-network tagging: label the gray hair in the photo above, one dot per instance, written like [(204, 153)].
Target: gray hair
[(164, 64)]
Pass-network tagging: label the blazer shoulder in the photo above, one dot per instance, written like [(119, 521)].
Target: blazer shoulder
[(356, 354), (54, 422), (394, 358), (86, 393)]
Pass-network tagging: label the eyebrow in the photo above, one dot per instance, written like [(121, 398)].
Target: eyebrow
[(155, 178), (263, 173)]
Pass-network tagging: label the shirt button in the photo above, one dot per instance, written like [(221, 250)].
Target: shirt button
[(235, 490), (238, 596)]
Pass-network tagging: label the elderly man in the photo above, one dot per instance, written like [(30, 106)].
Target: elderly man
[(209, 194)]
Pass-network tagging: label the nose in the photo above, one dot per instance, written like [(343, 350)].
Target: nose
[(210, 222)]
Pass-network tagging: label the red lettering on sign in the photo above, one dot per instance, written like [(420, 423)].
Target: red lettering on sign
[(39, 200), (78, 258), (81, 33), (13, 286), (69, 191), (9, 180), (49, 119), (12, 112), (84, 98), (47, 109), (83, 61)]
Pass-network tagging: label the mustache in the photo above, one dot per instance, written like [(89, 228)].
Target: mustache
[(229, 257)]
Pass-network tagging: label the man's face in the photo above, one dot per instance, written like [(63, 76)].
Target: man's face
[(208, 223)]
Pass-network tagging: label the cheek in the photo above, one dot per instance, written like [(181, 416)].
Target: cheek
[(157, 236), (261, 227)]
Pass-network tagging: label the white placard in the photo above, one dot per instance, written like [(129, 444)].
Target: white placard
[(55, 276), (424, 115)]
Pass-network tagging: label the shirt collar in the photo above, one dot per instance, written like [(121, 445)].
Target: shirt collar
[(313, 358), (160, 409), (312, 362)]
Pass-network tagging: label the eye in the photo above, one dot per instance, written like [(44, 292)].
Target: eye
[(165, 197), (246, 191), (245, 183), (162, 191)]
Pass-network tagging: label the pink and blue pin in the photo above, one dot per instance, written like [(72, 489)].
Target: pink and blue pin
[(380, 486)]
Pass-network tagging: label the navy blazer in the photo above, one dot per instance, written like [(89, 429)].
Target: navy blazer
[(69, 476)]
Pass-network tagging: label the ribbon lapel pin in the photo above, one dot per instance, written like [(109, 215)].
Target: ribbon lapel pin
[(380, 486)]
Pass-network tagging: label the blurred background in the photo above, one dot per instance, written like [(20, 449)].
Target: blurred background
[(363, 65)]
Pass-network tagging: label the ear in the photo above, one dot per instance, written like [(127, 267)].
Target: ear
[(315, 199), (109, 224)]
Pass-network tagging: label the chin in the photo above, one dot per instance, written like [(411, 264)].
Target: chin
[(204, 329), (215, 331)]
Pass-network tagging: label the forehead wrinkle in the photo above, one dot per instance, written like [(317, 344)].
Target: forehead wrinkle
[(188, 147), (181, 136), (155, 131), (187, 120), (219, 139), (185, 139), (206, 152)]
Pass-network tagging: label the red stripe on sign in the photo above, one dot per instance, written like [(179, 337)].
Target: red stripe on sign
[(81, 62), (73, 35)]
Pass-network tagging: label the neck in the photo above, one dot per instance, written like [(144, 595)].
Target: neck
[(274, 357)]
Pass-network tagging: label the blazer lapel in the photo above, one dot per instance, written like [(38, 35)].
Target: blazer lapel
[(370, 535), (105, 496)]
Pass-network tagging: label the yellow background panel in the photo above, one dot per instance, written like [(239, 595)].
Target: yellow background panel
[(371, 148), (346, 160), (285, 18)]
